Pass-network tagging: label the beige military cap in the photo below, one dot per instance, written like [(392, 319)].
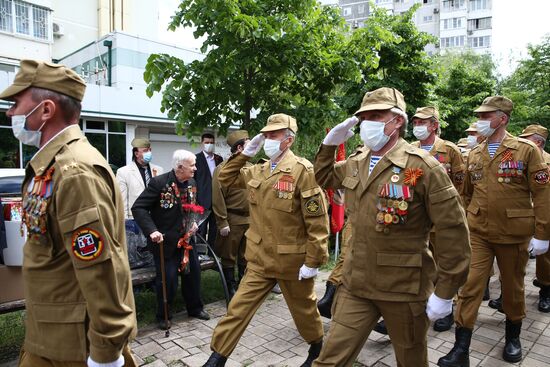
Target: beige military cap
[(426, 113), (141, 143), (472, 128), (280, 121), (496, 103), (535, 129), (462, 142), (54, 77), (235, 136), (382, 99)]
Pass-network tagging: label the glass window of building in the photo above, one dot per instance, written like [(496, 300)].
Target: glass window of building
[(109, 137), (19, 17)]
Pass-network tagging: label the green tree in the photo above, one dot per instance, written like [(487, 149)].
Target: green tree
[(261, 55), (465, 79)]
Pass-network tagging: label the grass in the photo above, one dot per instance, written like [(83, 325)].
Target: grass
[(12, 325)]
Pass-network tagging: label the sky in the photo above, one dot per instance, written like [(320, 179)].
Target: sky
[(515, 25)]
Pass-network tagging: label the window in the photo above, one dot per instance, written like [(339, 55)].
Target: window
[(427, 1), (448, 42), (22, 18), (346, 11), (109, 137), (481, 23), (360, 9), (479, 5), (452, 23), (451, 5), (427, 19), (478, 42)]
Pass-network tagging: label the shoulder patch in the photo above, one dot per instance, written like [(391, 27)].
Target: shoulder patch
[(541, 177), (87, 244), (304, 162), (313, 205)]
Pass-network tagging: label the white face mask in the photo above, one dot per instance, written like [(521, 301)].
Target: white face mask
[(484, 128), (372, 134), (271, 148), (209, 148), (472, 141), (27, 137), (421, 132)]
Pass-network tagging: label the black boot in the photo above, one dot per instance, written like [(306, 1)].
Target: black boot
[(325, 304), (487, 295), (496, 303), (241, 270), (512, 346), (445, 323), (313, 353), (544, 298), (215, 360), (381, 327), (459, 356), (229, 274)]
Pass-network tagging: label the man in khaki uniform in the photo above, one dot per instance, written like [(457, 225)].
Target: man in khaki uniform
[(78, 289), (507, 193), (230, 207), (539, 134), (395, 193), (286, 241)]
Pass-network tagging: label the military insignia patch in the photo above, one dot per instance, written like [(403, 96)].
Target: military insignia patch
[(312, 206), (541, 177), (459, 177), (87, 244)]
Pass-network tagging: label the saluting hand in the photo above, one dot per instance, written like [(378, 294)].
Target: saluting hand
[(253, 146), (156, 237), (341, 132)]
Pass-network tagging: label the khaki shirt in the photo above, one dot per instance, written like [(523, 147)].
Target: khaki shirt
[(230, 205), (506, 184), (448, 154), (288, 214), (392, 261), (546, 157), (77, 280)]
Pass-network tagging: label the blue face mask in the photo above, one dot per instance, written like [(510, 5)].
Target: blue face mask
[(147, 156), (27, 137)]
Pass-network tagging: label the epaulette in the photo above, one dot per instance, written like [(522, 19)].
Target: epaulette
[(527, 141), (425, 156), (304, 162)]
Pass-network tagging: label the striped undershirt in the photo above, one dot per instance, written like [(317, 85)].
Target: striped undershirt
[(427, 148), (492, 147), (373, 160)]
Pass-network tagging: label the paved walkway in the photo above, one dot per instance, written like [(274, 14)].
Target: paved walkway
[(272, 340)]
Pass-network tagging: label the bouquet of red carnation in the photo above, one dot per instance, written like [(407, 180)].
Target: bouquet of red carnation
[(194, 215)]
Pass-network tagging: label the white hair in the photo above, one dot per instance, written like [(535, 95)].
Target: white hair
[(290, 133), (181, 155), (401, 113)]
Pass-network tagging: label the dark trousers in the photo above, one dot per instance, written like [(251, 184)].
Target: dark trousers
[(209, 227)]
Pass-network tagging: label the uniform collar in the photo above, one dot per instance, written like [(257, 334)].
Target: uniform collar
[(396, 154), (285, 165), (439, 145), (43, 158)]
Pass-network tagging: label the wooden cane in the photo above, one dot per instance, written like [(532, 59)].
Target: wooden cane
[(164, 298)]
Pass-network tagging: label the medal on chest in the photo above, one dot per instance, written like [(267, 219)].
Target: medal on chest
[(509, 169), (284, 187), (35, 203)]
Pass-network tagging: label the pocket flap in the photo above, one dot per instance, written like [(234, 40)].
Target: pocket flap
[(254, 183), (350, 183), (519, 213), (311, 192), (79, 219), (291, 249), (442, 195), (400, 260), (253, 236), (472, 208), (56, 313)]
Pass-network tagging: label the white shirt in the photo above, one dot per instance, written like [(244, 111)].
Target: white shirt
[(211, 162)]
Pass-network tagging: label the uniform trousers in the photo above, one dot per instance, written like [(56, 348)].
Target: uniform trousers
[(353, 319), (511, 260), (231, 247), (27, 359), (543, 269), (253, 290)]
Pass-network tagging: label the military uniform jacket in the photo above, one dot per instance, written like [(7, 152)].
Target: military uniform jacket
[(288, 218), (132, 185), (514, 185), (78, 286), (158, 208), (391, 212), (230, 204), (448, 154)]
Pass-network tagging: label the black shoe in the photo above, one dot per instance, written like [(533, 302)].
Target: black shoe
[(544, 299), (537, 283), (381, 327), (459, 356), (496, 304), (512, 346), (445, 323), (164, 325), (486, 294), (202, 315), (325, 304), (215, 360), (312, 354)]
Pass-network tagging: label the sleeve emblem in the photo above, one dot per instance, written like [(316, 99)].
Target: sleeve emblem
[(312, 206), (87, 244), (541, 177)]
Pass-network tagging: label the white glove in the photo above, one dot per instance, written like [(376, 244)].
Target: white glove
[(341, 132), (538, 247), (253, 146), (307, 272), (225, 231), (118, 363), (437, 308)]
